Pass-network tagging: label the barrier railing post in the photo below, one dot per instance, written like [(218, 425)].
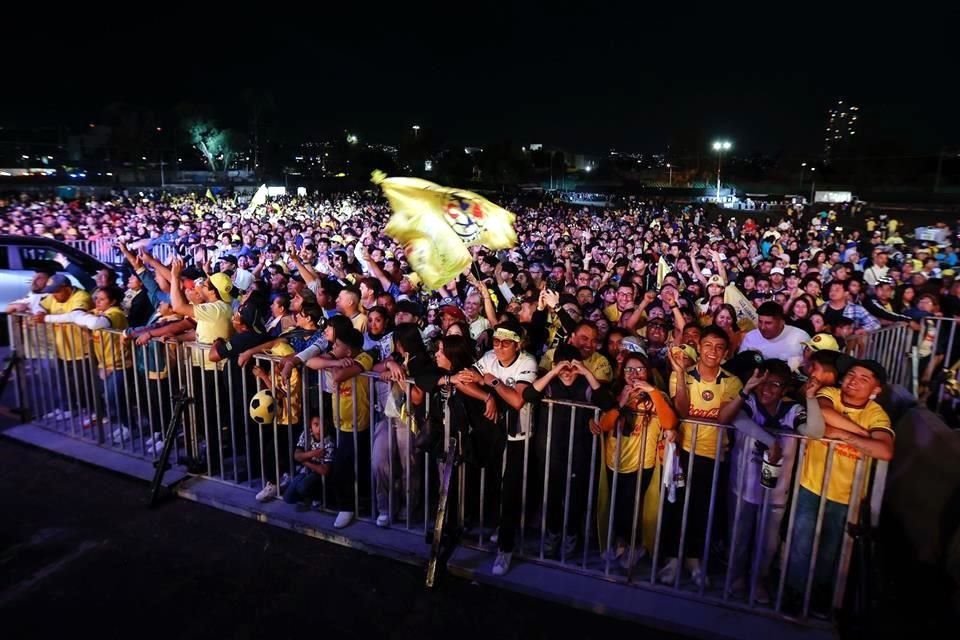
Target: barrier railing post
[(567, 490), (546, 482), (590, 494), (713, 497), (821, 511), (688, 489)]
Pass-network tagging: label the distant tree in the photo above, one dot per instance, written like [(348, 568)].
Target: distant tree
[(218, 146)]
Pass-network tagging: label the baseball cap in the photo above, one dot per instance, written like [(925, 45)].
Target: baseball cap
[(822, 342), (57, 282), (223, 284), (633, 345), (454, 312), (411, 307), (776, 270), (715, 280)]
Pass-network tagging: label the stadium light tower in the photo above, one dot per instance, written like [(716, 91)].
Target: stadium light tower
[(720, 146)]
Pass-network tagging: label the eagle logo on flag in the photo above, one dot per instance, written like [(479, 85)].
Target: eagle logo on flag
[(465, 218)]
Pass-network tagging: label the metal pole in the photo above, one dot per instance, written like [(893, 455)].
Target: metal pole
[(566, 496), (546, 479)]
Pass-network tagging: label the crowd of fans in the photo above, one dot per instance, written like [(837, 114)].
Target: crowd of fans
[(625, 309)]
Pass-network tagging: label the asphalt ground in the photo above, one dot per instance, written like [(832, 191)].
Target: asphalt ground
[(80, 554)]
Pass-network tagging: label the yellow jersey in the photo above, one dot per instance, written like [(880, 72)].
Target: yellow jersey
[(871, 417), (69, 340), (213, 321), (290, 408), (643, 427), (706, 399), (596, 364), (108, 347), (362, 386)]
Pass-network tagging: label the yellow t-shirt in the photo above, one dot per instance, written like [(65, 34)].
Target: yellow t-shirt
[(840, 488), (68, 339), (289, 409), (109, 346), (630, 445), (706, 399), (359, 322), (613, 313), (213, 321), (596, 364), (362, 384)]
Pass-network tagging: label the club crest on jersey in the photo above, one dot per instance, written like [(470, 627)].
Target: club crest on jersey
[(707, 395)]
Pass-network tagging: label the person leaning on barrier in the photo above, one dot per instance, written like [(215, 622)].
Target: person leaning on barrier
[(764, 412), (705, 392), (568, 381), (61, 305), (864, 431), (347, 360), (409, 361), (632, 434), (113, 359), (505, 372), (31, 302)]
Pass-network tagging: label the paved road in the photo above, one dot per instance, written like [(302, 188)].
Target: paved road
[(79, 554)]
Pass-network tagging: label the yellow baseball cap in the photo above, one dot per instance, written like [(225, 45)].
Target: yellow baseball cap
[(822, 342), (223, 284)]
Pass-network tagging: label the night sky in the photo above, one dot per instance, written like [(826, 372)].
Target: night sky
[(627, 78)]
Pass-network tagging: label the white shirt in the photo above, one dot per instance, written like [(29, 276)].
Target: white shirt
[(793, 415), (787, 346), (872, 274), (523, 369)]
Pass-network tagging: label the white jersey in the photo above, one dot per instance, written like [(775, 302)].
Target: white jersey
[(788, 346), (523, 369), (789, 418)]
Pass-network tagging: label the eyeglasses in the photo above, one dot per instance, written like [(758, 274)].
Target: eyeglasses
[(632, 370), (497, 342)]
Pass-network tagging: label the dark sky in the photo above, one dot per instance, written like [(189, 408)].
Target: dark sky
[(633, 78)]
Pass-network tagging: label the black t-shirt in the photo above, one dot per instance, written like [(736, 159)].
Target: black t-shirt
[(240, 342), (832, 316)]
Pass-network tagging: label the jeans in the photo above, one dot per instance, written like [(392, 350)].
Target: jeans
[(342, 477), (115, 394), (747, 544), (511, 498), (303, 486), (801, 548), (699, 490), (384, 429), (625, 501)]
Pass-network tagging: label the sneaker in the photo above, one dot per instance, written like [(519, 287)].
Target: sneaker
[(89, 423), (495, 536), (570, 545), (501, 564), (284, 481), (628, 559), (269, 492), (154, 447), (668, 574), (120, 434), (761, 595), (613, 553), (700, 578), (315, 505), (551, 542), (343, 519), (383, 520)]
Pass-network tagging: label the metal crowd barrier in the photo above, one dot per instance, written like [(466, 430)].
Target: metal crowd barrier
[(895, 347), (106, 251), (132, 398), (938, 355)]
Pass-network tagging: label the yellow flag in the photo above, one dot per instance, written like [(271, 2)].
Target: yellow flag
[(210, 196), (745, 309), (663, 268), (436, 224), (259, 198)]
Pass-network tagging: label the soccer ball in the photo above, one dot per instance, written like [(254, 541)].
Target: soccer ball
[(263, 407)]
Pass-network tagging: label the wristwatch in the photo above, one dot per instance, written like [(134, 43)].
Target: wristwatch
[(495, 382)]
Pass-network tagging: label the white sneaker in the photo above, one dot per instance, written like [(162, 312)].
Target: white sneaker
[(501, 564), (121, 434), (551, 542), (383, 520), (155, 447), (495, 536), (284, 481), (700, 578), (343, 519), (269, 492), (627, 560), (569, 545), (613, 553), (668, 574), (156, 437)]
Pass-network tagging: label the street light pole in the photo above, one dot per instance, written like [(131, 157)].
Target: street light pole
[(813, 187), (720, 146), (803, 165), (670, 179)]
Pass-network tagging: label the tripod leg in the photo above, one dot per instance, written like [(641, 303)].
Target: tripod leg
[(442, 500), (169, 438)]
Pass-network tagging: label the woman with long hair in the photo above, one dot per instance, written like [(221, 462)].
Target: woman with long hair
[(725, 317), (798, 313), (631, 432), (400, 405)]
